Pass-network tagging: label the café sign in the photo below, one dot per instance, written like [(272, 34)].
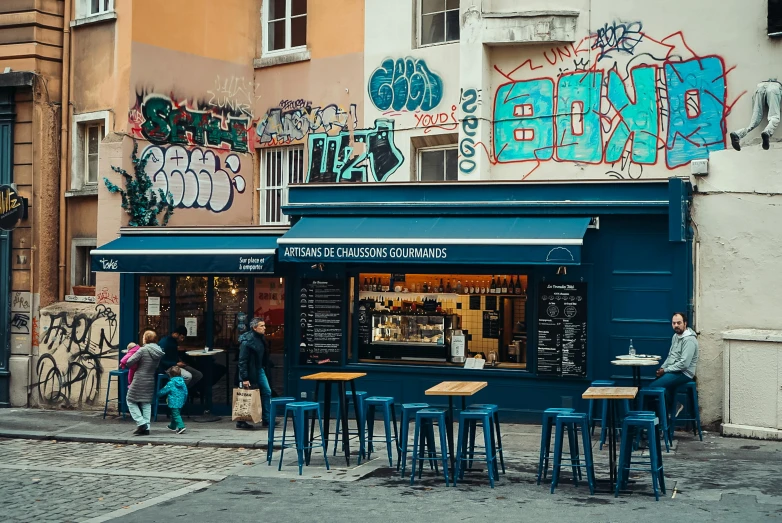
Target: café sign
[(12, 208)]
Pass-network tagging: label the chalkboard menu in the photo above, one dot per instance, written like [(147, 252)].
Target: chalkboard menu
[(562, 329), (320, 319), (491, 324), (365, 308)]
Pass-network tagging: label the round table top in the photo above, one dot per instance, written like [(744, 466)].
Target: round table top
[(204, 353), (638, 362)]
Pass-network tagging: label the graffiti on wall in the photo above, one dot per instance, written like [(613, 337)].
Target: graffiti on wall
[(436, 120), (331, 158), (405, 83), (196, 178), (106, 296), (234, 94), (73, 345), (283, 126), (619, 96), (470, 99), (20, 323)]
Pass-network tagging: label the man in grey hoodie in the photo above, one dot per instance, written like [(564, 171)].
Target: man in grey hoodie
[(679, 367)]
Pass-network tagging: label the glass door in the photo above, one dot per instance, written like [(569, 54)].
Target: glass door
[(230, 298)]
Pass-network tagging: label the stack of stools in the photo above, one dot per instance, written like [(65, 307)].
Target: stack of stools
[(573, 422), (497, 435), (655, 397), (122, 391), (691, 412), (468, 419), (360, 397), (424, 426), (640, 422), (275, 402), (386, 404), (408, 414), (549, 420), (299, 412)]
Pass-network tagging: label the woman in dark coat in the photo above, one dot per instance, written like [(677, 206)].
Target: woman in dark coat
[(142, 391)]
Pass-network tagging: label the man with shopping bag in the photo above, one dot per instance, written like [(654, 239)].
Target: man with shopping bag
[(253, 358)]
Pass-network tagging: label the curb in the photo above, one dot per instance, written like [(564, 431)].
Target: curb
[(142, 440)]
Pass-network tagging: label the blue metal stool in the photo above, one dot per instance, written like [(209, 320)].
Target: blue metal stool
[(161, 378), (573, 422), (360, 397), (468, 419), (298, 410), (648, 423), (657, 397), (424, 423), (624, 408), (494, 410), (691, 410), (389, 416), (408, 415), (603, 406), (122, 391), (549, 420), (275, 402)]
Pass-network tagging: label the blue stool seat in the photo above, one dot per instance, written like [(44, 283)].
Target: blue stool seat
[(385, 403), (494, 410), (655, 396), (122, 391), (573, 423), (408, 415), (691, 412), (424, 423), (161, 379), (549, 420), (298, 411), (360, 397), (275, 403), (469, 419), (648, 422)]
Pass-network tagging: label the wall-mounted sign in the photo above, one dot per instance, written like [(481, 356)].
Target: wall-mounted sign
[(12, 208)]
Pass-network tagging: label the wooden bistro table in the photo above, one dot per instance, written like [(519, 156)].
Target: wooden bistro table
[(612, 395), (451, 389), (207, 416), (340, 379), (636, 364)]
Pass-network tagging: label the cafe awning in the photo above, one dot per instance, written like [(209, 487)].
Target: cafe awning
[(499, 240), (186, 254)]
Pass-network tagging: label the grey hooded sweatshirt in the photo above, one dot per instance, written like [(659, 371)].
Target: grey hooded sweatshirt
[(683, 356), (142, 390)]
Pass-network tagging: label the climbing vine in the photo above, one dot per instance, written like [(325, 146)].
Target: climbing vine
[(139, 198)]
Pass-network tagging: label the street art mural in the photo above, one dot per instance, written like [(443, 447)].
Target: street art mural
[(331, 158), (283, 126), (405, 83), (74, 344), (196, 178), (470, 99), (619, 97)]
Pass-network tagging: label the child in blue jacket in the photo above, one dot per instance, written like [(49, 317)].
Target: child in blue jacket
[(176, 390)]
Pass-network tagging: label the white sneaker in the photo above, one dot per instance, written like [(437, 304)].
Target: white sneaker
[(182, 430)]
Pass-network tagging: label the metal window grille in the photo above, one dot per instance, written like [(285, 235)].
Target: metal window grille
[(281, 166)]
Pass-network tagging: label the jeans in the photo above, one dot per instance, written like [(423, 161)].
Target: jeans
[(770, 92), (140, 412), (670, 381), (266, 395), (176, 419)]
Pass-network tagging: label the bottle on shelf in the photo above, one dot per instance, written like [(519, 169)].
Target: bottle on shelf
[(458, 286), (505, 285), (425, 288), (483, 286), (493, 288), (364, 287), (441, 288), (517, 285), (448, 288)]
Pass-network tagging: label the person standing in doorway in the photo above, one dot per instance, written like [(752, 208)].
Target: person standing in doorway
[(170, 344), (679, 367), (253, 359), (141, 392)]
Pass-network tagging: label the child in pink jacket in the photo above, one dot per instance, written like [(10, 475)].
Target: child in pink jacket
[(132, 348)]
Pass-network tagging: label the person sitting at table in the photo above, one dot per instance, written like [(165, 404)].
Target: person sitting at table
[(253, 359), (170, 345), (679, 367)]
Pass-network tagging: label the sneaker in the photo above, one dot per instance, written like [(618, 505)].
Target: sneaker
[(140, 430), (169, 427), (181, 431), (735, 141), (765, 137), (244, 425)]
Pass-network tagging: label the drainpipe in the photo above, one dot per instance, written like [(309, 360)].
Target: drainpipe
[(64, 140)]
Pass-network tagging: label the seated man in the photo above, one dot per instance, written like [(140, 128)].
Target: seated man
[(170, 345), (679, 367)]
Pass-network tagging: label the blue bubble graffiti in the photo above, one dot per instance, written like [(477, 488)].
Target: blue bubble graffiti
[(405, 83)]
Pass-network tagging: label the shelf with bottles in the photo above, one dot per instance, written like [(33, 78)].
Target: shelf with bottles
[(444, 284)]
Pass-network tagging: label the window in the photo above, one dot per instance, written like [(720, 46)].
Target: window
[(439, 21), (93, 134), (280, 167), (775, 18), (88, 11), (87, 131), (81, 261), (438, 165), (285, 25), (99, 6)]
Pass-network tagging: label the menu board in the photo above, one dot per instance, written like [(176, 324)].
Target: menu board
[(320, 320), (365, 308), (491, 325), (562, 329)]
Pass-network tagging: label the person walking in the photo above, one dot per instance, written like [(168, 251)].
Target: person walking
[(142, 391), (176, 393), (253, 358)]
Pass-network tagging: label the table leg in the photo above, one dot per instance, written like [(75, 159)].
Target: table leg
[(312, 421), (612, 441), (343, 410), (360, 421), (449, 432), (206, 389)]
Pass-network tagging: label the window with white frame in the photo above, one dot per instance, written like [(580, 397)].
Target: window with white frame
[(93, 134), (438, 21), (92, 8), (280, 167), (81, 261), (438, 164), (88, 131), (285, 26)]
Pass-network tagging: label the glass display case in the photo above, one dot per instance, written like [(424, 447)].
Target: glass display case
[(409, 336)]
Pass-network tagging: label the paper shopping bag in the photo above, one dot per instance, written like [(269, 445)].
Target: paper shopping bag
[(246, 405)]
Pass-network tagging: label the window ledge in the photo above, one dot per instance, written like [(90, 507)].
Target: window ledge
[(94, 19), (280, 59), (87, 190)]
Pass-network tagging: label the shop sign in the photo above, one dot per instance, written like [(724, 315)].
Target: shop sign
[(12, 208), (367, 253)]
